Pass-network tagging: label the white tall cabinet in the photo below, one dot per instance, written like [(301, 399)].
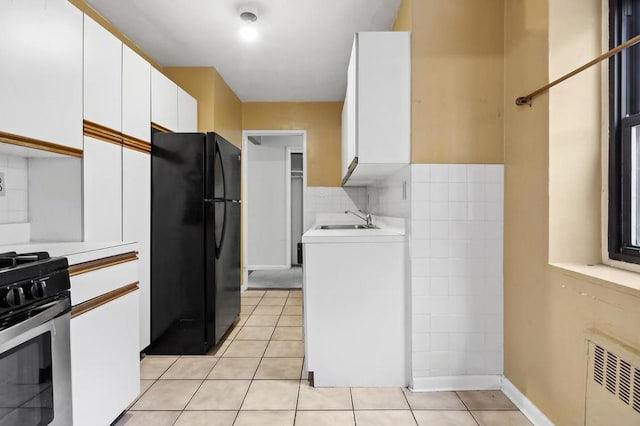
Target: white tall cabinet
[(41, 71), (376, 118), (102, 76), (164, 101), (102, 189), (187, 112), (102, 163), (136, 95), (136, 176)]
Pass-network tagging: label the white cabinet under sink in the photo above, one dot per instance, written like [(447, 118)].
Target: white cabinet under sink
[(376, 118), (355, 315)]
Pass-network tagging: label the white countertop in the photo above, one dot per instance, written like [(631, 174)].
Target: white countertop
[(75, 252), (388, 230)]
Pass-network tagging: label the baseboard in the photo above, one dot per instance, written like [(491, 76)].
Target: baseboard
[(456, 383), (267, 267), (527, 407), (244, 287)]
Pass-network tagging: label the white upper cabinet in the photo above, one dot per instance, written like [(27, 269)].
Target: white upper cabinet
[(378, 107), (187, 112), (164, 101), (136, 95), (41, 71), (102, 76)]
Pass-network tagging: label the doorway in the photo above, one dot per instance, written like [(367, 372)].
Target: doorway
[(274, 182)]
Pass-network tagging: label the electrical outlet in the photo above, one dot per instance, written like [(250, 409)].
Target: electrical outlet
[(3, 185)]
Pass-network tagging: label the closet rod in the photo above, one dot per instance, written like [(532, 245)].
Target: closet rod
[(526, 100)]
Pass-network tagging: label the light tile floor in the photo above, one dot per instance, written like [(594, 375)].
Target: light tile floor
[(255, 377)]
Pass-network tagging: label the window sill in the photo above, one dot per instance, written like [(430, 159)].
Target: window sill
[(601, 274)]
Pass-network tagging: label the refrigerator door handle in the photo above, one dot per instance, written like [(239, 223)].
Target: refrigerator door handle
[(219, 239)]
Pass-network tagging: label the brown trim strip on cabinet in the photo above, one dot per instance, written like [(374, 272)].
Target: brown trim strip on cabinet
[(26, 142), (136, 144), (103, 133), (103, 299), (160, 128), (105, 262)]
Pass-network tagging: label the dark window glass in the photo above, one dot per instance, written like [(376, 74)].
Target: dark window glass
[(624, 134)]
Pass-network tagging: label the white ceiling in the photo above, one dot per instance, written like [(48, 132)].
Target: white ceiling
[(301, 53)]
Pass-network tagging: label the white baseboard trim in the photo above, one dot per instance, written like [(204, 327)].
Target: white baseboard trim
[(456, 383), (267, 267), (527, 407), (244, 287)]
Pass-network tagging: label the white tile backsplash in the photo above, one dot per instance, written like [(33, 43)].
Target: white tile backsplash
[(14, 205), (391, 196), (319, 199), (456, 217)]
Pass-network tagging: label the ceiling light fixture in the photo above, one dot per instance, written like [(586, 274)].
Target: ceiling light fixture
[(248, 31)]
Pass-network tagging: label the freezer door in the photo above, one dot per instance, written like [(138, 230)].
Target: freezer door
[(223, 169), (227, 269)]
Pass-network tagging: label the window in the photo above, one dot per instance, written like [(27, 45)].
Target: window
[(624, 133)]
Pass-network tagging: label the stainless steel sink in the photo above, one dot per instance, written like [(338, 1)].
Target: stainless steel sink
[(347, 227)]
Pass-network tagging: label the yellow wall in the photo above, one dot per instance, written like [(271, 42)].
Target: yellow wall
[(321, 120), (548, 311), (404, 17), (228, 112), (457, 81)]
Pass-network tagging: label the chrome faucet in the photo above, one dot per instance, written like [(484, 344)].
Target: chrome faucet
[(366, 218)]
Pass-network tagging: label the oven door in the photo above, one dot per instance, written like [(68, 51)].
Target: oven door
[(35, 368)]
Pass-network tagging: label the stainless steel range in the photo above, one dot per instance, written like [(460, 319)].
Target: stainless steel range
[(35, 367)]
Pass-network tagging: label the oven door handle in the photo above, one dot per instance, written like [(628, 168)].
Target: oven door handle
[(48, 312)]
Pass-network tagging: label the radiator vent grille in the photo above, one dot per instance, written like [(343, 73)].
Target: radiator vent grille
[(617, 376), (612, 372), (636, 390)]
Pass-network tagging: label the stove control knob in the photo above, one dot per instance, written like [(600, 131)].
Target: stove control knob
[(37, 289), (13, 297)]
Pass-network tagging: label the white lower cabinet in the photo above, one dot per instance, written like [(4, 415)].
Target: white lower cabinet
[(355, 316), (136, 226), (102, 190), (105, 365)]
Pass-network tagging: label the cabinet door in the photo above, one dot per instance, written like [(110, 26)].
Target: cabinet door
[(164, 101), (105, 363), (384, 97), (350, 104), (41, 71), (102, 189), (136, 95), (187, 112), (136, 226), (102, 76)]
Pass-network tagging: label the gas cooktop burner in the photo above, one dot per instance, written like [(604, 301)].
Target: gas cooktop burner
[(12, 259)]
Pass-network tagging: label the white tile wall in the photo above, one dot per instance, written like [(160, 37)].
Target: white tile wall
[(319, 199), (456, 269), (13, 205)]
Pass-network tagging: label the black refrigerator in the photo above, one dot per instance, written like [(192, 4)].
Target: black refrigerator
[(195, 241)]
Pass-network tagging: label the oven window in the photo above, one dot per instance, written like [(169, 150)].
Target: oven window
[(26, 388)]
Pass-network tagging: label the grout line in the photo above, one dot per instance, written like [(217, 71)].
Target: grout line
[(404, 394), (465, 406), (353, 407)]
